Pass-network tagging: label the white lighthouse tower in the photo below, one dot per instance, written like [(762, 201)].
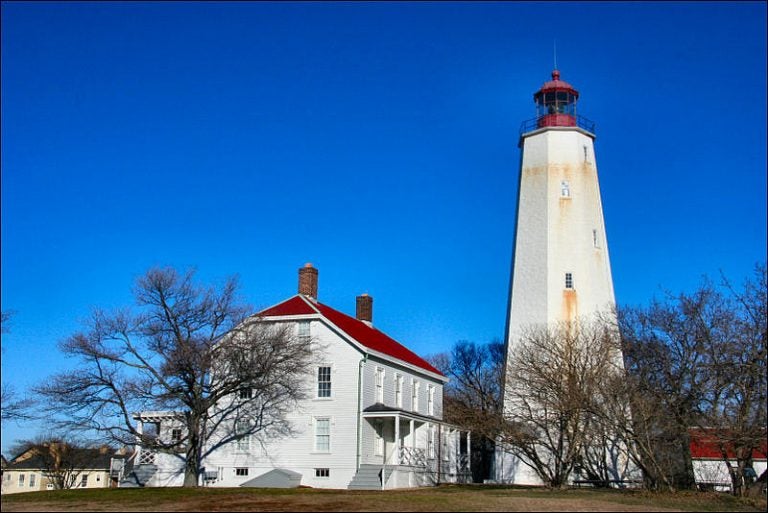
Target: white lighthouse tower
[(560, 267)]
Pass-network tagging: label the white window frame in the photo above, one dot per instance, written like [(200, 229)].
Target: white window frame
[(84, 481), (304, 330), (565, 189), (241, 471), (318, 421), (22, 479), (322, 473), (32, 480), (379, 383), (399, 390), (318, 382), (415, 395), (242, 444), (569, 281), (430, 399)]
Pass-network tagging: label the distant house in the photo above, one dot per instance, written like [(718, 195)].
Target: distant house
[(373, 419), (36, 469), (709, 467)]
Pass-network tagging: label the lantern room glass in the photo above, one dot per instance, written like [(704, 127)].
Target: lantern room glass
[(555, 102)]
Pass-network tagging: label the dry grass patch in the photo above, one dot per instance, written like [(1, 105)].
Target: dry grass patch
[(443, 498)]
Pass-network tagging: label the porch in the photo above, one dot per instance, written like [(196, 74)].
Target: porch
[(403, 449)]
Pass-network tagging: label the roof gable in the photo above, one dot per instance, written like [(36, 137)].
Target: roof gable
[(367, 336), (293, 306)]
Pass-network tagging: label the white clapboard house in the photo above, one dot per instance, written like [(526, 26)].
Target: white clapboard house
[(373, 419)]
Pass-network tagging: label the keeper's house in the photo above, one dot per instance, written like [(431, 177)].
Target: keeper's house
[(373, 419)]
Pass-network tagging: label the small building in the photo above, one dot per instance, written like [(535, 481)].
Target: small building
[(373, 419), (710, 469), (36, 469)]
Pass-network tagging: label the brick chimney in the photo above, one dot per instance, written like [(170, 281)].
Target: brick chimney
[(364, 308), (308, 281)]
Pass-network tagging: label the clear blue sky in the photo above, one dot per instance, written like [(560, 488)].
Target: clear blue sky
[(376, 140)]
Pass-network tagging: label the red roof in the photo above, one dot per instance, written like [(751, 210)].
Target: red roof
[(557, 85), (366, 335), (294, 306), (705, 445)]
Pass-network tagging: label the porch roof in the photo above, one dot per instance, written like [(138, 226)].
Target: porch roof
[(380, 410)]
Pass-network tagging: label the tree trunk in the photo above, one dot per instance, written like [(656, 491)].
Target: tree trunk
[(192, 460)]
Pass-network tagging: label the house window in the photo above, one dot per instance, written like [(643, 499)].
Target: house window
[(322, 472), (21, 480), (444, 441), (379, 385), (323, 435), (565, 189), (304, 330), (243, 443), (175, 435), (399, 391), (415, 395), (323, 382), (241, 471), (245, 393), (83, 480), (379, 442), (431, 400), (49, 486), (568, 280), (32, 480), (431, 441)]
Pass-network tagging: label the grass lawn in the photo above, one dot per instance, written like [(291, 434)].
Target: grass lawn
[(443, 498)]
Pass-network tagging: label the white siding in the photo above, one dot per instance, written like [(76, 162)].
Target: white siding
[(348, 399), (297, 453)]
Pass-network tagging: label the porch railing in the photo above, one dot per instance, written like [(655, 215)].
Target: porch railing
[(413, 457), (147, 456)]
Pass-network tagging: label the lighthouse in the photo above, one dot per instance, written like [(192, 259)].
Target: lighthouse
[(560, 268), (561, 272)]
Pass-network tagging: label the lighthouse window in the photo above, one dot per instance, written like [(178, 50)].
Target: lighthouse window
[(565, 189), (594, 239), (568, 280)]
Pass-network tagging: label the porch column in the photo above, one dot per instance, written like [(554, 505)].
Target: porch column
[(413, 434), (469, 450), (397, 440)]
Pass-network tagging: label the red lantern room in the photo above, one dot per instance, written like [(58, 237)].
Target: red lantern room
[(556, 103)]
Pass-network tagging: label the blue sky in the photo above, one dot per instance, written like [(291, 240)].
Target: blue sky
[(376, 140)]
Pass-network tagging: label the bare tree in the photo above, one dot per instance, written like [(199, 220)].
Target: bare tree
[(700, 359), (472, 397), (189, 348), (554, 395), (12, 407)]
